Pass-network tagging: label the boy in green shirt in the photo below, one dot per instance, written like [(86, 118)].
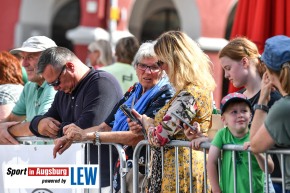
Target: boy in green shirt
[(236, 115)]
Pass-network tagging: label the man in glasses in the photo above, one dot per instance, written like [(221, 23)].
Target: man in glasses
[(85, 97), (37, 95)]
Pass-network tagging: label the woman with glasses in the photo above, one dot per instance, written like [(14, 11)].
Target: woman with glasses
[(147, 96), (189, 71)]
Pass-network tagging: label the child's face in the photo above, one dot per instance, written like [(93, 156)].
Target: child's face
[(237, 117)]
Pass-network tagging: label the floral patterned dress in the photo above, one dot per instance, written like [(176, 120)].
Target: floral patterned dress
[(192, 104)]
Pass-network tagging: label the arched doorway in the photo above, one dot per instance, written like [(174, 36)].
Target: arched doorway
[(66, 18), (163, 20)]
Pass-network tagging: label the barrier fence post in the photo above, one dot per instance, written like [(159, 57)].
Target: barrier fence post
[(136, 154), (190, 169), (250, 172), (204, 171), (234, 171), (266, 172), (176, 170), (283, 172)]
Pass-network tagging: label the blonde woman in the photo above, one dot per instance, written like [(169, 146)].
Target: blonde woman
[(189, 71)]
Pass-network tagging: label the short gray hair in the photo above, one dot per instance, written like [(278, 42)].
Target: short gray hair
[(56, 56), (146, 50)]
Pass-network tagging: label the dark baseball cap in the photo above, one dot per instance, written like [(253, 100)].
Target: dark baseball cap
[(233, 97)]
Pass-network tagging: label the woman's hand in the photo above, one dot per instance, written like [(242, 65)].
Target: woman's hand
[(192, 134), (74, 133), (266, 88), (195, 136), (137, 128), (133, 126), (195, 144)]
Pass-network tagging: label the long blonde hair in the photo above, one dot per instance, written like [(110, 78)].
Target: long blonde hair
[(187, 63)]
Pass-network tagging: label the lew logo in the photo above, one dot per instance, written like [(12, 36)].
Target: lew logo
[(83, 175)]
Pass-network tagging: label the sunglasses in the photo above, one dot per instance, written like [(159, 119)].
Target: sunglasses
[(57, 81)]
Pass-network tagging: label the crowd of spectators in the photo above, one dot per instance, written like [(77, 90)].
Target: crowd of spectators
[(47, 91)]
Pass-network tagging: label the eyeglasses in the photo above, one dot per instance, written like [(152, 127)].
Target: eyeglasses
[(57, 81), (159, 63), (144, 67)]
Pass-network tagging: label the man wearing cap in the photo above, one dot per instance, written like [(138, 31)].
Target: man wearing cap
[(37, 95), (271, 127)]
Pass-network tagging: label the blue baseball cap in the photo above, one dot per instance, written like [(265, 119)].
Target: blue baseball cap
[(233, 97), (276, 52)]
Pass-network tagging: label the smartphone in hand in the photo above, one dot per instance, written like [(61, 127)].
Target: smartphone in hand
[(183, 121), (128, 112)]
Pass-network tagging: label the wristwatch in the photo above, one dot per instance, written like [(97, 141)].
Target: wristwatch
[(261, 107), (97, 139)]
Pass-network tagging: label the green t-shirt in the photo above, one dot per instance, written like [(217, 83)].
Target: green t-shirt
[(224, 137), (34, 100), (124, 73), (278, 125)]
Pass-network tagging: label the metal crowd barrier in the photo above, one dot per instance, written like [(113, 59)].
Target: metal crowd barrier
[(204, 147), (281, 153), (123, 165), (176, 144)]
